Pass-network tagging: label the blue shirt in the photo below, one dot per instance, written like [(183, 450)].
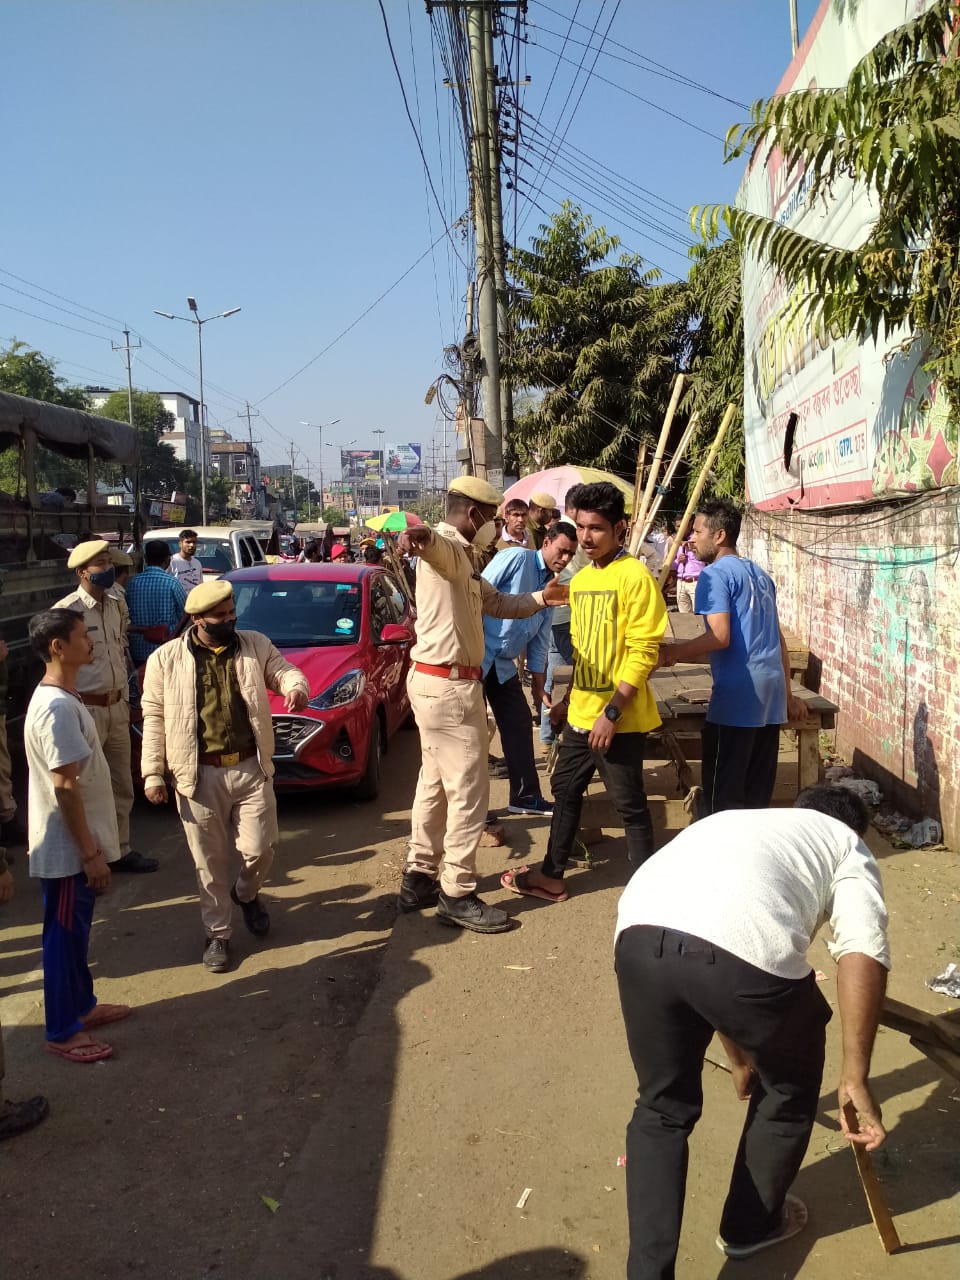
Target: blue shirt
[(155, 598), (512, 571), (749, 688)]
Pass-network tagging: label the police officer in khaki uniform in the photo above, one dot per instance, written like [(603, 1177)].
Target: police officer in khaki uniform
[(539, 513), (206, 718), (103, 684), (446, 693)]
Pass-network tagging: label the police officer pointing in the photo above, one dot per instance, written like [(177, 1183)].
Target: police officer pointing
[(446, 693)]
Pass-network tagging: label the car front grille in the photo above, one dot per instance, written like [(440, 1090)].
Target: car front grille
[(291, 734)]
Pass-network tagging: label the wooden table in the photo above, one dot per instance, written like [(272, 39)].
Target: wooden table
[(683, 692)]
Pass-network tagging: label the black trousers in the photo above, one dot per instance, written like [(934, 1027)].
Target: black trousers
[(739, 766), (512, 714), (675, 991), (621, 769)]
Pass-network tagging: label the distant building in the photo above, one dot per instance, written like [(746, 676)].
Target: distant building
[(237, 462), (184, 439)]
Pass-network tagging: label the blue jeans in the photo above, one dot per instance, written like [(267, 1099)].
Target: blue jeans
[(560, 654)]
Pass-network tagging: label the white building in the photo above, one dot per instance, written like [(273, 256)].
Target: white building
[(184, 439)]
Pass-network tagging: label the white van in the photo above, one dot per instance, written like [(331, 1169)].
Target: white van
[(219, 547)]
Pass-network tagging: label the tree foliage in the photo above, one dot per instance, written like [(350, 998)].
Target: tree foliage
[(893, 128), (715, 365), (598, 340), (161, 471)]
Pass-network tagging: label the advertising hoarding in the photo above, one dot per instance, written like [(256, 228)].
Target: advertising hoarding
[(868, 422), (360, 464), (403, 460)]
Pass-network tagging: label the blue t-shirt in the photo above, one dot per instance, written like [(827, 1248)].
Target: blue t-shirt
[(749, 689)]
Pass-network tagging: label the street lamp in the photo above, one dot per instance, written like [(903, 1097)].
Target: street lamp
[(379, 431), (194, 318), (319, 426)]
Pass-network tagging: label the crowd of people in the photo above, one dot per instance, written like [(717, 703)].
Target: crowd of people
[(713, 928)]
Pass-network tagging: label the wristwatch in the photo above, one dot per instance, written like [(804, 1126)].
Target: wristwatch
[(612, 713)]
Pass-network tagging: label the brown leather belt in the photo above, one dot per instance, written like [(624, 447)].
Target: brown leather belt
[(455, 672), (101, 699), (225, 759)]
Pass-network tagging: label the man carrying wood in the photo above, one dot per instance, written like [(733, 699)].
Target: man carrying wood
[(712, 935), (749, 661)]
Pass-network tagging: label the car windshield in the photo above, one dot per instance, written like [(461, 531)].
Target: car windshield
[(214, 554), (300, 615)]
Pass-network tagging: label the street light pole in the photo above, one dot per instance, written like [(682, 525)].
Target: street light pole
[(378, 431), (319, 426), (194, 318)]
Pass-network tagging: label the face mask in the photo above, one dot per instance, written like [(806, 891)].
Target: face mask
[(485, 535), (105, 578), (221, 632)]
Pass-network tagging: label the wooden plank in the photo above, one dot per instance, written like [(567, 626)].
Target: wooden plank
[(945, 1058), (928, 1028), (879, 1211), (808, 758)]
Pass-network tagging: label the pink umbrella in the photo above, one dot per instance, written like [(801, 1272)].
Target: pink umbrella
[(558, 480)]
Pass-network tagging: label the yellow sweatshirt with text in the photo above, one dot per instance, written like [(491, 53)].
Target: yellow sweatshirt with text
[(617, 620)]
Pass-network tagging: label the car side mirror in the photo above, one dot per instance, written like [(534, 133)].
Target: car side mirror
[(396, 633)]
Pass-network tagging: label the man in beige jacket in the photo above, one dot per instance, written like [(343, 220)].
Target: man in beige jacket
[(206, 719)]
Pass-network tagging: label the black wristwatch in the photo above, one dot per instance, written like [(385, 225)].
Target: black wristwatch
[(612, 713)]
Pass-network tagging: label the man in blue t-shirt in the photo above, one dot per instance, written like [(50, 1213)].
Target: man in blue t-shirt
[(751, 696)]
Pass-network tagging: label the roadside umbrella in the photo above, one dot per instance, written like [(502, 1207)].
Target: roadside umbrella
[(558, 480), (393, 522)]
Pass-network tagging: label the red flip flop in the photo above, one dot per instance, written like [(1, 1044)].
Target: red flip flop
[(86, 1051), (512, 881), (101, 1014)]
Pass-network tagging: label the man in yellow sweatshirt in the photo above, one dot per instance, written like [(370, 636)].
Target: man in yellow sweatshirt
[(618, 618)]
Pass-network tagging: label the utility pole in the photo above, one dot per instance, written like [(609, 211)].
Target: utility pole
[(293, 484), (794, 30), (490, 464), (127, 349), (249, 413), (254, 475)]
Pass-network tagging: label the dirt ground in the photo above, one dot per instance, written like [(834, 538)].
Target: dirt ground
[(367, 1096)]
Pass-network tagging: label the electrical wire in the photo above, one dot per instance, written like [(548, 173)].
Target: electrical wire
[(353, 323), (46, 320)]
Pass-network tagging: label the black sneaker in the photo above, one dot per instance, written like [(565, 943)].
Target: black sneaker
[(216, 955), (255, 916), (417, 891), (471, 912), (135, 862)]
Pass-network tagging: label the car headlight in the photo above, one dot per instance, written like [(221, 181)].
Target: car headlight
[(347, 689)]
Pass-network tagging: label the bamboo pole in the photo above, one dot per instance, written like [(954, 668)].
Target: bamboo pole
[(668, 477), (640, 516), (698, 489), (638, 480)]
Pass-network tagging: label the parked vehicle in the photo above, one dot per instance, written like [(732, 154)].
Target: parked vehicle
[(220, 548), (349, 629)]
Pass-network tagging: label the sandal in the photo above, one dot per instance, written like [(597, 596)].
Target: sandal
[(86, 1051), (516, 882)]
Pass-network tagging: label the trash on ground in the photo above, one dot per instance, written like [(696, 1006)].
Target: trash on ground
[(525, 1197), (820, 976), (864, 788), (947, 983), (838, 771), (272, 1205), (926, 832), (621, 1162)]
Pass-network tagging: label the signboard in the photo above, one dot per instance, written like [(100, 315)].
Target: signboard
[(402, 460), (360, 464), (854, 421)]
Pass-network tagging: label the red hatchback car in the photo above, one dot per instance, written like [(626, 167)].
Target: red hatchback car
[(349, 629)]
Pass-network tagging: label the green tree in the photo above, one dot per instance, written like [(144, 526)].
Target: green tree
[(598, 340), (26, 372), (894, 128), (161, 471), (333, 515), (715, 365)]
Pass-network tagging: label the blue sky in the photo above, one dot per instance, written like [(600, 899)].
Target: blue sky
[(257, 154)]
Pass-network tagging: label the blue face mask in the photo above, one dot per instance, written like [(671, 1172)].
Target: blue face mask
[(104, 579)]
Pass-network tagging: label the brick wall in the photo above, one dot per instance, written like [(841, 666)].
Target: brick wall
[(876, 596)]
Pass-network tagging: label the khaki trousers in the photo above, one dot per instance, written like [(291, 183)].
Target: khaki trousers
[(685, 594), (113, 730), (8, 806), (453, 790), (233, 811)]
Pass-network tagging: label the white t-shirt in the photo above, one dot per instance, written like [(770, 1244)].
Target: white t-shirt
[(759, 883), (59, 730), (189, 572)]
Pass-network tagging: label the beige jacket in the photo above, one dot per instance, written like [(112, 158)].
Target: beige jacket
[(170, 729)]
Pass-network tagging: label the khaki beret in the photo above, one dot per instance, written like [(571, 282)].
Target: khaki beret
[(543, 499), (208, 595), (84, 552), (476, 489), (120, 558), (368, 542)]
